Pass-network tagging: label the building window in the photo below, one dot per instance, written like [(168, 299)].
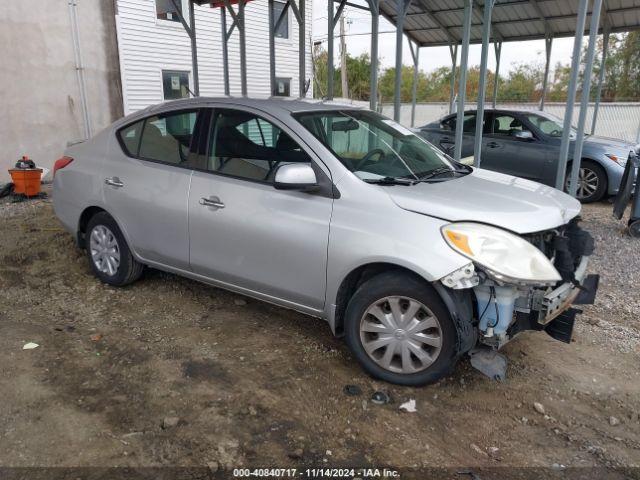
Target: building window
[(165, 10), (175, 84), (283, 29), (283, 87)]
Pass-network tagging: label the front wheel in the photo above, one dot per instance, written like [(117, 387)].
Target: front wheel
[(400, 331), (592, 182)]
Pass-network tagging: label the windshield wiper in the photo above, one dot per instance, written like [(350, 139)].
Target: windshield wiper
[(440, 171), (390, 181)]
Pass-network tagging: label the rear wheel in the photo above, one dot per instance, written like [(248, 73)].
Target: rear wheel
[(109, 255), (400, 331), (592, 182)]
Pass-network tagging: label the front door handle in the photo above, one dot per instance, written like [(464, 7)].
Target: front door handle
[(211, 202), (493, 145), (114, 182)]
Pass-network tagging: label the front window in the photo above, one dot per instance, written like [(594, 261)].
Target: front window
[(549, 125), (246, 146), (374, 147)]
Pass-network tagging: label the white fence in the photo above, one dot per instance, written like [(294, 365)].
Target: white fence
[(617, 120)]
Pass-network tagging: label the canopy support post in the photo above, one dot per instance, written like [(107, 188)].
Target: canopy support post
[(453, 51), (497, 48), (584, 100), (601, 75), (482, 87), (190, 28), (548, 43), (571, 95), (462, 82), (375, 20), (403, 6), (415, 54), (272, 50)]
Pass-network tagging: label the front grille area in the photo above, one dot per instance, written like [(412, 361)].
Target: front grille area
[(564, 246)]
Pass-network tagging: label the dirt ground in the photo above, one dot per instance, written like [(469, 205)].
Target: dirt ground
[(170, 372)]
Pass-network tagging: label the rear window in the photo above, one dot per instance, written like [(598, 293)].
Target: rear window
[(167, 138), (130, 138)]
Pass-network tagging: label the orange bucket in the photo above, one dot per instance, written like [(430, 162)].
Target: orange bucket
[(26, 181)]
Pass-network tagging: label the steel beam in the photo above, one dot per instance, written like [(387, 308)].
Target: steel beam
[(243, 47), (482, 87), (330, 28), (415, 55), (497, 49), (272, 50), (584, 101), (571, 95), (190, 28), (402, 6), (548, 43), (238, 22), (225, 50), (603, 68), (453, 51), (302, 51), (462, 88), (375, 19)]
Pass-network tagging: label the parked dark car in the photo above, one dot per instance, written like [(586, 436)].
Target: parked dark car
[(527, 144)]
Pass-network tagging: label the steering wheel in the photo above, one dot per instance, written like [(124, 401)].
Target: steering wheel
[(364, 160)]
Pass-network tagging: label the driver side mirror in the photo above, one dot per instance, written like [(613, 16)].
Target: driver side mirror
[(523, 135), (296, 176)]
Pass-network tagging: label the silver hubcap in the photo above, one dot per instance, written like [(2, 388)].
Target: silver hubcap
[(105, 252), (401, 334), (587, 183)]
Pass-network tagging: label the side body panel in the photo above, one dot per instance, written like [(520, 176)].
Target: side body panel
[(151, 206), (78, 185)]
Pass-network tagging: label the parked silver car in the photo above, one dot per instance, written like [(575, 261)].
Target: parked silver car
[(333, 211), (526, 143)]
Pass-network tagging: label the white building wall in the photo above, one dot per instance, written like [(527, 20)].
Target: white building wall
[(148, 46)]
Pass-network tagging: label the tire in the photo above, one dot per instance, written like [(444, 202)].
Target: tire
[(104, 236), (592, 181), (400, 289)]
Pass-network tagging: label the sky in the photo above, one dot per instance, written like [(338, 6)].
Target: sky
[(358, 41)]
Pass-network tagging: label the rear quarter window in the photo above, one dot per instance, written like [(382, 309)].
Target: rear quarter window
[(129, 138)]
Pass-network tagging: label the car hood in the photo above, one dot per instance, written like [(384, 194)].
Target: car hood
[(512, 203), (608, 145)]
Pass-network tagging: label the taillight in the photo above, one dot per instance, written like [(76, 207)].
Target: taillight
[(61, 163)]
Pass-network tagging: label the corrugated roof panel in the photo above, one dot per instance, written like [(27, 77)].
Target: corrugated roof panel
[(513, 20)]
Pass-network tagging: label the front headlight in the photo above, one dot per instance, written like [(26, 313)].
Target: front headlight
[(504, 256)]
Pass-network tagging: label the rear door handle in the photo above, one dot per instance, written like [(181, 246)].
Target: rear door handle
[(114, 182), (211, 202)]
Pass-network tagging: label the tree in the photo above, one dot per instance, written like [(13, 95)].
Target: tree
[(523, 83)]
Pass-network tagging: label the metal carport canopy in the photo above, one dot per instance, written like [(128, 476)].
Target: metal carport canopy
[(432, 23)]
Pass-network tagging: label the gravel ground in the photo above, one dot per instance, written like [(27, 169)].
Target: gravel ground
[(170, 372)]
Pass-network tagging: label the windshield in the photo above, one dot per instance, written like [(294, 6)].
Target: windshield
[(549, 125), (374, 147)]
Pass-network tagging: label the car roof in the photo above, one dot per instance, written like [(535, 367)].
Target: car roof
[(275, 106)]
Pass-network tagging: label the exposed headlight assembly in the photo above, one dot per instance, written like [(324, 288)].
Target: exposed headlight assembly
[(502, 255)]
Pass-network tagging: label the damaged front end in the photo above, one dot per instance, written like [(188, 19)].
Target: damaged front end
[(506, 305)]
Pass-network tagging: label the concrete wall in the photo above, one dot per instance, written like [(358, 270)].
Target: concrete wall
[(39, 92)]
